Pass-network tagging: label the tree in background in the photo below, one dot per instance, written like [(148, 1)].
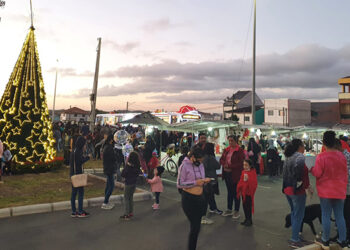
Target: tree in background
[(25, 125)]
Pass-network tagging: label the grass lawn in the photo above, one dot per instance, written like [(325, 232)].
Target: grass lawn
[(93, 164), (48, 187)]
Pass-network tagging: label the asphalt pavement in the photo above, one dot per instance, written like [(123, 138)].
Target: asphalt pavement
[(164, 229)]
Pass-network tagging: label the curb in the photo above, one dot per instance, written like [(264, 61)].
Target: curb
[(65, 205), (311, 247)]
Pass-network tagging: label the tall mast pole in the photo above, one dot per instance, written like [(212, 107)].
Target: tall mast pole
[(94, 90), (31, 14), (254, 55), (54, 96)]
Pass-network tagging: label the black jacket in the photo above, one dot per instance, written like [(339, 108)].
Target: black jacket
[(130, 173), (77, 157), (210, 165), (109, 159)]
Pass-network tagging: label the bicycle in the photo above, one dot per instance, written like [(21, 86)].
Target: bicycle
[(168, 162)]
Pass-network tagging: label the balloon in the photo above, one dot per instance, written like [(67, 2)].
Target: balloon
[(121, 137), (127, 149)]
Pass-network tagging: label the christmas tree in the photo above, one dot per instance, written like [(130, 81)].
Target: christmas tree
[(25, 125)]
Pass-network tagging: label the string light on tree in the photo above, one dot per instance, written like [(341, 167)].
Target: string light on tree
[(25, 124)]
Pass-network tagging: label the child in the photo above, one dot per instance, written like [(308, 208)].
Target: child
[(152, 164), (130, 173), (246, 155), (6, 158), (246, 188), (156, 185)]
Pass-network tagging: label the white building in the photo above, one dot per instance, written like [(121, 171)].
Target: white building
[(287, 112), (75, 115)]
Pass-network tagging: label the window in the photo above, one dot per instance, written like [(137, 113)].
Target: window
[(83, 115), (281, 112), (75, 115), (270, 112), (246, 118)]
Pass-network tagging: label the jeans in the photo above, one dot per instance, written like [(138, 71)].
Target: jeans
[(337, 205), (231, 192), (129, 198), (347, 216), (157, 194), (80, 192), (297, 207), (247, 207), (109, 187), (211, 201), (194, 207)]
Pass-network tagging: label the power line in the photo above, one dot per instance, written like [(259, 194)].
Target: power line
[(246, 42)]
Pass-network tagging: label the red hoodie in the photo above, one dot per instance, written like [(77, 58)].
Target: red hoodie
[(247, 187), (331, 175)]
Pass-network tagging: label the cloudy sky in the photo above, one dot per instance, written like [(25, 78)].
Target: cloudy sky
[(166, 53)]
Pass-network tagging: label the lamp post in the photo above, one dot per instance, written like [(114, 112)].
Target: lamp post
[(254, 55)]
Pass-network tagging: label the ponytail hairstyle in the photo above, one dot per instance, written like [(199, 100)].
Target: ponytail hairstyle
[(292, 147)]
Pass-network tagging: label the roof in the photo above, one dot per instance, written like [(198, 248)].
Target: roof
[(147, 119), (201, 125), (76, 110), (344, 80), (240, 94)]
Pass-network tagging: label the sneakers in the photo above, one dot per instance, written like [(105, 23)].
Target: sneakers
[(236, 215), (247, 223), (107, 206), (323, 244), (206, 221), (125, 217), (227, 213), (343, 245), (74, 215), (83, 214), (215, 211), (155, 206), (296, 244)]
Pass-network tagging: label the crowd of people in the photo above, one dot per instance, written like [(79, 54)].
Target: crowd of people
[(198, 182)]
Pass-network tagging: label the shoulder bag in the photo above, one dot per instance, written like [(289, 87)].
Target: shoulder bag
[(78, 180)]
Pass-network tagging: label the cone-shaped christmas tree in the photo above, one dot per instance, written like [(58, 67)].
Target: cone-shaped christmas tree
[(25, 125)]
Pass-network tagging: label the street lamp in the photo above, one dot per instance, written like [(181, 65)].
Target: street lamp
[(254, 55)]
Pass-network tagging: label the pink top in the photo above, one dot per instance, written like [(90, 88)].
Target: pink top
[(229, 156), (156, 184), (331, 175)]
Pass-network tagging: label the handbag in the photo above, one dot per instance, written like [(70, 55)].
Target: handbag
[(78, 180)]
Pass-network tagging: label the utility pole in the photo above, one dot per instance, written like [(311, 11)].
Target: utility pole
[(127, 106), (94, 90), (254, 55), (54, 96)]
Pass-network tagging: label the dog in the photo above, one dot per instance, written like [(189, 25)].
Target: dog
[(312, 212)]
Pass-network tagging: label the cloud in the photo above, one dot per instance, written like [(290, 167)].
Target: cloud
[(125, 48), (159, 25), (183, 44), (308, 71), (71, 72)]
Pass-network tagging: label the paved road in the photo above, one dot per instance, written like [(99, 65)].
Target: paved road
[(164, 229)]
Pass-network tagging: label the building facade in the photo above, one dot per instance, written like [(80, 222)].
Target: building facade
[(287, 112), (344, 100), (75, 115), (240, 106)]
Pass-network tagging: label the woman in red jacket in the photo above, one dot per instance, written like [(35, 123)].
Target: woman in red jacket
[(331, 174), (232, 162)]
